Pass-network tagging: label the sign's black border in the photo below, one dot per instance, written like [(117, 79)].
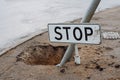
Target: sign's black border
[(75, 24)]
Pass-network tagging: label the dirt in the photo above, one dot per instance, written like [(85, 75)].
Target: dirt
[(36, 58), (42, 55)]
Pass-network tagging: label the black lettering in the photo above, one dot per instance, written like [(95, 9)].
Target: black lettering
[(74, 33), (67, 34), (56, 31), (86, 32)]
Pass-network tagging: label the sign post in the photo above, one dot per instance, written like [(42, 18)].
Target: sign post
[(74, 33), (87, 17)]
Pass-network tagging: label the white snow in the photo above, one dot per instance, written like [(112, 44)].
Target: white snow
[(19, 18)]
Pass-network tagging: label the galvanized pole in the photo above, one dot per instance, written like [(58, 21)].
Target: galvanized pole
[(76, 57), (90, 12), (87, 17)]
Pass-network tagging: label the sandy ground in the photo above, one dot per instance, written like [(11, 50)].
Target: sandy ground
[(36, 59)]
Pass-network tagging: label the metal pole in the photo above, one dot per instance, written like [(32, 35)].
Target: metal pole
[(90, 12), (76, 57), (87, 17), (67, 55)]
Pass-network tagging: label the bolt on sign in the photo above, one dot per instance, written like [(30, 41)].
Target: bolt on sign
[(75, 33)]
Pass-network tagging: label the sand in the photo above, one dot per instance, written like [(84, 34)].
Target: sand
[(36, 58)]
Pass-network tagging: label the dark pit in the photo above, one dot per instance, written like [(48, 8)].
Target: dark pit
[(117, 66), (99, 68), (42, 55)]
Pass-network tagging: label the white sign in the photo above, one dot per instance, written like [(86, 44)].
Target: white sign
[(75, 33)]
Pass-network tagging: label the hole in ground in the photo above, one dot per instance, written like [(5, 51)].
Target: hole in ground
[(42, 55)]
